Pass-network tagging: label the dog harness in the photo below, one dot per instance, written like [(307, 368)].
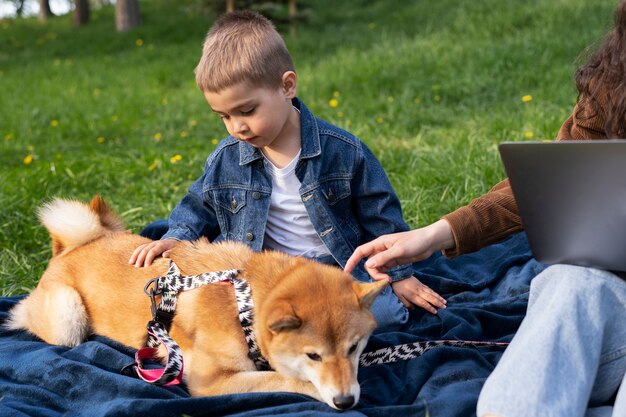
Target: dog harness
[(168, 286), (172, 283)]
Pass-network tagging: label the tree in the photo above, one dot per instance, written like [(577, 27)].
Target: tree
[(44, 11), (19, 7), (81, 12), (127, 14)]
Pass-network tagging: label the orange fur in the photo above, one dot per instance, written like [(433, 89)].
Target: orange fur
[(312, 321)]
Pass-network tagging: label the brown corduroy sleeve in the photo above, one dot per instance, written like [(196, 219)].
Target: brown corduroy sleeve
[(487, 219), (494, 215)]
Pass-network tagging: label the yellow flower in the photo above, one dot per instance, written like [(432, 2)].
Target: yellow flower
[(28, 159), (333, 102), (193, 123), (157, 136), (154, 165), (214, 141), (184, 134), (527, 98), (54, 123), (176, 158), (379, 120), (100, 139), (9, 136), (528, 134), (336, 94), (339, 114), (139, 42)]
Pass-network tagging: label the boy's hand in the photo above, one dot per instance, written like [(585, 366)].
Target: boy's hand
[(413, 293), (145, 254)]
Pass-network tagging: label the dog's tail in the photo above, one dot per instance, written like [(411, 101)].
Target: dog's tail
[(72, 224)]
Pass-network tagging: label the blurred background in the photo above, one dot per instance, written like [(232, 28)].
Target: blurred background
[(98, 96)]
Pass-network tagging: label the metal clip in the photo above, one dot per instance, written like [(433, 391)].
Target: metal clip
[(151, 293), (153, 307), (155, 290)]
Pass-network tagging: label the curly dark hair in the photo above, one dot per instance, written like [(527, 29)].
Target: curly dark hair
[(605, 74)]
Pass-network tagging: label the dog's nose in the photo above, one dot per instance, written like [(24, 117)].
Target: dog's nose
[(343, 402)]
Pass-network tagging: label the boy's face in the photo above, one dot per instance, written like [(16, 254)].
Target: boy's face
[(256, 115)]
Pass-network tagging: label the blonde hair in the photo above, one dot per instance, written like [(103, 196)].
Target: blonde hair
[(242, 46)]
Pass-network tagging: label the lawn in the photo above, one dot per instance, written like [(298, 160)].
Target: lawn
[(431, 87)]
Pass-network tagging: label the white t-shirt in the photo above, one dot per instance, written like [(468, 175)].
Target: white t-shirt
[(289, 228)]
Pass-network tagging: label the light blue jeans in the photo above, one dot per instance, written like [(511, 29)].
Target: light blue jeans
[(568, 357)]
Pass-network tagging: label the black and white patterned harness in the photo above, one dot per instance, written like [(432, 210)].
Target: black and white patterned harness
[(169, 285)]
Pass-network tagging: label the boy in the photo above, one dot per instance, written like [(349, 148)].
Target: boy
[(283, 179)]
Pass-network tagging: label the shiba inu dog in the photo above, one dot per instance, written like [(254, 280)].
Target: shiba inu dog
[(311, 321)]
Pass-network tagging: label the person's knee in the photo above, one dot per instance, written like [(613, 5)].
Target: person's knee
[(569, 281)]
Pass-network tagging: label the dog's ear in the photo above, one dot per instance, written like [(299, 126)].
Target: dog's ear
[(367, 292), (282, 317), (107, 217)]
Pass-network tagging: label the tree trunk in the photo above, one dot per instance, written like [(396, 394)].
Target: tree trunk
[(126, 14), (19, 7), (81, 12), (293, 11), (44, 11)]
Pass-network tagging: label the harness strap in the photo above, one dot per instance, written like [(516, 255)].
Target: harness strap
[(168, 286), (172, 374), (245, 306), (413, 350)]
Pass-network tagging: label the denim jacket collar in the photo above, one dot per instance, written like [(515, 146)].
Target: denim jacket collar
[(310, 140)]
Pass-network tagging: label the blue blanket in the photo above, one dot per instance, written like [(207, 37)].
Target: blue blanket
[(487, 293)]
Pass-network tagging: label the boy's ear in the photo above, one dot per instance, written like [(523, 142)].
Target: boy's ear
[(289, 84)]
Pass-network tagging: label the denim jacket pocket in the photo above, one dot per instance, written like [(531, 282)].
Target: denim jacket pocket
[(231, 200), (229, 206), (335, 190)]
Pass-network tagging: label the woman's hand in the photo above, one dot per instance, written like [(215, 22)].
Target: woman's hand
[(395, 249)]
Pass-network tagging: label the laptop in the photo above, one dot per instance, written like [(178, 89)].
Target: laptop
[(571, 197)]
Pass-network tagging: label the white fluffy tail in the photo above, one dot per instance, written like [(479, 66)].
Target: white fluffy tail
[(57, 316), (72, 224)]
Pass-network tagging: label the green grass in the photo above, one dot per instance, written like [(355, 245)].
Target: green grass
[(431, 87)]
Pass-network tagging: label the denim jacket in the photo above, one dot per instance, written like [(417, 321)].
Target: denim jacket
[(343, 187)]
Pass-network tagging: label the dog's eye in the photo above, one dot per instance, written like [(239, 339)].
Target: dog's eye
[(353, 348), (314, 357)]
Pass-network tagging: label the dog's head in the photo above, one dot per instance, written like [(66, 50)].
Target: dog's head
[(315, 326)]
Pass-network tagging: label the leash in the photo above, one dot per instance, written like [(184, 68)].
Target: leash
[(168, 287), (409, 351)]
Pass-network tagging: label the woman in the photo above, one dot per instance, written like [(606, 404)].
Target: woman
[(568, 357)]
